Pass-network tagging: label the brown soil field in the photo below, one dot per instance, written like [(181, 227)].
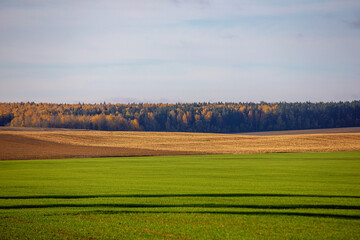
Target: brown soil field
[(50, 143), (307, 131), (17, 147)]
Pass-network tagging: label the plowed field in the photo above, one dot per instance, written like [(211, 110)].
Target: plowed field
[(49, 143)]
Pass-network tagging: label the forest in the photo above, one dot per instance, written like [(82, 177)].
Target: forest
[(183, 117)]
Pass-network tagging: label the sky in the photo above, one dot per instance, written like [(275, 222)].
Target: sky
[(121, 51)]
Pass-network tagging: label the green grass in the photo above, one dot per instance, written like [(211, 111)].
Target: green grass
[(260, 196)]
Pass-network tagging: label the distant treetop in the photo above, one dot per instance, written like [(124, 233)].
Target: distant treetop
[(185, 117)]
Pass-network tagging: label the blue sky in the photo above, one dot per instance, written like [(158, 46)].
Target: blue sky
[(179, 50)]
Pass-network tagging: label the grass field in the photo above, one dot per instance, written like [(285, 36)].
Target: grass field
[(258, 196)]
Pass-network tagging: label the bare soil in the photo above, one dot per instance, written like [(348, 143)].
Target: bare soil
[(307, 131), (49, 143), (18, 147)]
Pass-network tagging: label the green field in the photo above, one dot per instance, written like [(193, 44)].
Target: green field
[(259, 196)]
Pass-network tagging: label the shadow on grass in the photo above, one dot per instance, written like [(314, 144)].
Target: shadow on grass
[(176, 195), (134, 205), (257, 213)]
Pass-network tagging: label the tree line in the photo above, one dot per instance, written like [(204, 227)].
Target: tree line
[(185, 117)]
